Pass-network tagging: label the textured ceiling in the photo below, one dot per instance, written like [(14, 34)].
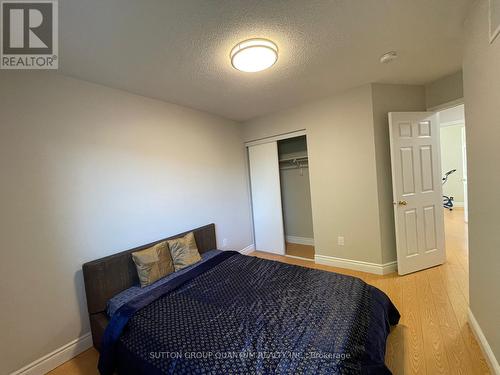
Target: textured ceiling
[(178, 50)]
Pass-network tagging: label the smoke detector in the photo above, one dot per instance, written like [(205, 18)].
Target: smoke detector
[(388, 57)]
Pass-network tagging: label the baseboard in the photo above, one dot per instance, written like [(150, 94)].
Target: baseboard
[(57, 357), (301, 258), (248, 249), (483, 343), (458, 204), (300, 240), (356, 265)]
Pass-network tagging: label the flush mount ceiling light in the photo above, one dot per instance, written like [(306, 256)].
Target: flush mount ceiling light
[(254, 55)]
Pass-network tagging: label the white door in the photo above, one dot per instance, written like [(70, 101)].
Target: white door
[(464, 161), (266, 198), (417, 190)]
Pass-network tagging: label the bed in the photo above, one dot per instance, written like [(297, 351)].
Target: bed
[(235, 314)]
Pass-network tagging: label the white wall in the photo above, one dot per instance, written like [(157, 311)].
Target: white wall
[(482, 117), (451, 158), (340, 139), (87, 171)]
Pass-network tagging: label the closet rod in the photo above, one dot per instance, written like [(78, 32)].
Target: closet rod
[(300, 158), (294, 167)]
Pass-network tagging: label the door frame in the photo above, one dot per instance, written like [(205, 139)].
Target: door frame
[(447, 105), (465, 187), (278, 137)]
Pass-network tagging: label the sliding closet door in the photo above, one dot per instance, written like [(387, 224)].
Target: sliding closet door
[(266, 198)]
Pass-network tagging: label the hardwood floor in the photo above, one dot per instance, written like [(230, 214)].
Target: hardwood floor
[(298, 250), (433, 336), (83, 364)]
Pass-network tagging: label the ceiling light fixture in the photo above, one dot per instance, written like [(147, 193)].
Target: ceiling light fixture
[(254, 55)]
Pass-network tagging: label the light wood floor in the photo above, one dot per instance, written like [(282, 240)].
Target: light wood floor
[(298, 250), (433, 336)]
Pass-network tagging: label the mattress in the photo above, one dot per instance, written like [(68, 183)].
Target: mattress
[(236, 314)]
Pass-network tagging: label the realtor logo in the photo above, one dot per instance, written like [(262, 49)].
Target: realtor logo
[(29, 35)]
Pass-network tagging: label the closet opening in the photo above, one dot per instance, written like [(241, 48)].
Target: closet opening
[(296, 197), (281, 195)]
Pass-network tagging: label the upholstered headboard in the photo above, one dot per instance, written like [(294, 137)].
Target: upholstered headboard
[(108, 276)]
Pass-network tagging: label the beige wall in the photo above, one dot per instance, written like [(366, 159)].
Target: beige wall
[(389, 98), (88, 171), (295, 189), (349, 165), (296, 200), (451, 158), (444, 90), (482, 114), (340, 138)]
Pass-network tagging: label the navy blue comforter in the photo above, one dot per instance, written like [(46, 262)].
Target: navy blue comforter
[(236, 314)]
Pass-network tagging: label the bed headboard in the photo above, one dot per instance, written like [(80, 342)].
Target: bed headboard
[(108, 276)]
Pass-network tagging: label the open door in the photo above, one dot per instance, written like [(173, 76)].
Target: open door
[(417, 190), (266, 198)]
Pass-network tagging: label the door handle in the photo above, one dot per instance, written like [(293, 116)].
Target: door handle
[(401, 203)]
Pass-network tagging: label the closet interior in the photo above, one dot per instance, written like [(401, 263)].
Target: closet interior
[(296, 197)]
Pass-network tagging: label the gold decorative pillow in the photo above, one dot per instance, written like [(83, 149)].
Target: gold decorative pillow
[(153, 263), (184, 251)]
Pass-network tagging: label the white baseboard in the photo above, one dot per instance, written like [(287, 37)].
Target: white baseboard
[(248, 249), (301, 258), (483, 343), (57, 357), (300, 240), (356, 265), (458, 204)]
